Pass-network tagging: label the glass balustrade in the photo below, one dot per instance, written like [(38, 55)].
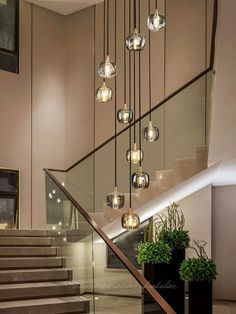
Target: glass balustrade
[(85, 251)]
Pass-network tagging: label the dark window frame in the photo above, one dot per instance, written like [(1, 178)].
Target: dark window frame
[(13, 195), (9, 59)]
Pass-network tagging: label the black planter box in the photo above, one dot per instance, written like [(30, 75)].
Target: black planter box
[(200, 297), (166, 280)]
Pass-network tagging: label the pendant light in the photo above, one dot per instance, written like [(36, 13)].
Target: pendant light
[(115, 200), (134, 155), (135, 41), (107, 69), (130, 220), (140, 179), (104, 93), (125, 114), (150, 133), (156, 21)]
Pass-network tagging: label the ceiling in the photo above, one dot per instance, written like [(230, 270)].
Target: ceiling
[(64, 7)]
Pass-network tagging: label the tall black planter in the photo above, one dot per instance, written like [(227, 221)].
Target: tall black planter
[(200, 297), (165, 278)]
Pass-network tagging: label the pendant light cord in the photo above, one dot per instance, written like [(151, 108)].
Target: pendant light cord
[(156, 4), (115, 98), (125, 91), (140, 96), (130, 133), (135, 21), (104, 33), (149, 70), (134, 64), (108, 20)]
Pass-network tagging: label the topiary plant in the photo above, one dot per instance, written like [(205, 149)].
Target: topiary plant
[(170, 226), (177, 239), (199, 268), (154, 252)]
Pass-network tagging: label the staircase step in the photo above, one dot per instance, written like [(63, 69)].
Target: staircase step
[(42, 306), (25, 241), (33, 262), (25, 291), (23, 233), (34, 275), (28, 251)]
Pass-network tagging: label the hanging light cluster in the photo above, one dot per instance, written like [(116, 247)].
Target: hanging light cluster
[(107, 69), (134, 43)]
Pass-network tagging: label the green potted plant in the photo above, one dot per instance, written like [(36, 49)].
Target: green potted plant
[(160, 267), (151, 253), (170, 227), (199, 272)]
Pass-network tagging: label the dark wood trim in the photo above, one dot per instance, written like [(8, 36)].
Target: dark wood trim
[(131, 268), (213, 36)]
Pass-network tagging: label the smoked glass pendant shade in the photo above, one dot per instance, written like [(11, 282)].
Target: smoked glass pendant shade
[(130, 220), (107, 68), (135, 41), (124, 115), (104, 93), (134, 155), (115, 200), (140, 180), (151, 133), (156, 22)]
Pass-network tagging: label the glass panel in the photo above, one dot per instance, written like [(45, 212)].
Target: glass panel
[(108, 290), (182, 122), (7, 24), (7, 212)]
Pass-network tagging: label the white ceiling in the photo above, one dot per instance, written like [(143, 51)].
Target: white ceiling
[(64, 7)]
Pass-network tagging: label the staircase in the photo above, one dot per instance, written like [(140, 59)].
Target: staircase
[(33, 277), (166, 179)]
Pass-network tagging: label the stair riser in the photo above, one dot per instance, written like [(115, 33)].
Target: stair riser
[(37, 276), (13, 263), (75, 307), (38, 292), (22, 241), (28, 251)]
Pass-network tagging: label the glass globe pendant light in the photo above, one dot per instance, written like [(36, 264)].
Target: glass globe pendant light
[(104, 93), (115, 200), (130, 220), (156, 21), (107, 68), (150, 133), (124, 115), (140, 179), (135, 41), (134, 155)]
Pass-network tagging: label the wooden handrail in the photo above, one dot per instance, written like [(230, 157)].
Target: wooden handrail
[(130, 267)]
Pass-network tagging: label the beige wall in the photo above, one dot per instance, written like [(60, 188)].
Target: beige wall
[(224, 246), (56, 120), (15, 118), (223, 130)]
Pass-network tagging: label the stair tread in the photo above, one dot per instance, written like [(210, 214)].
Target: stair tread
[(38, 302), (10, 271), (37, 285)]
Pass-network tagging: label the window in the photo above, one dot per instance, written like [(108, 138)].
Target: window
[(9, 35), (9, 198)]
